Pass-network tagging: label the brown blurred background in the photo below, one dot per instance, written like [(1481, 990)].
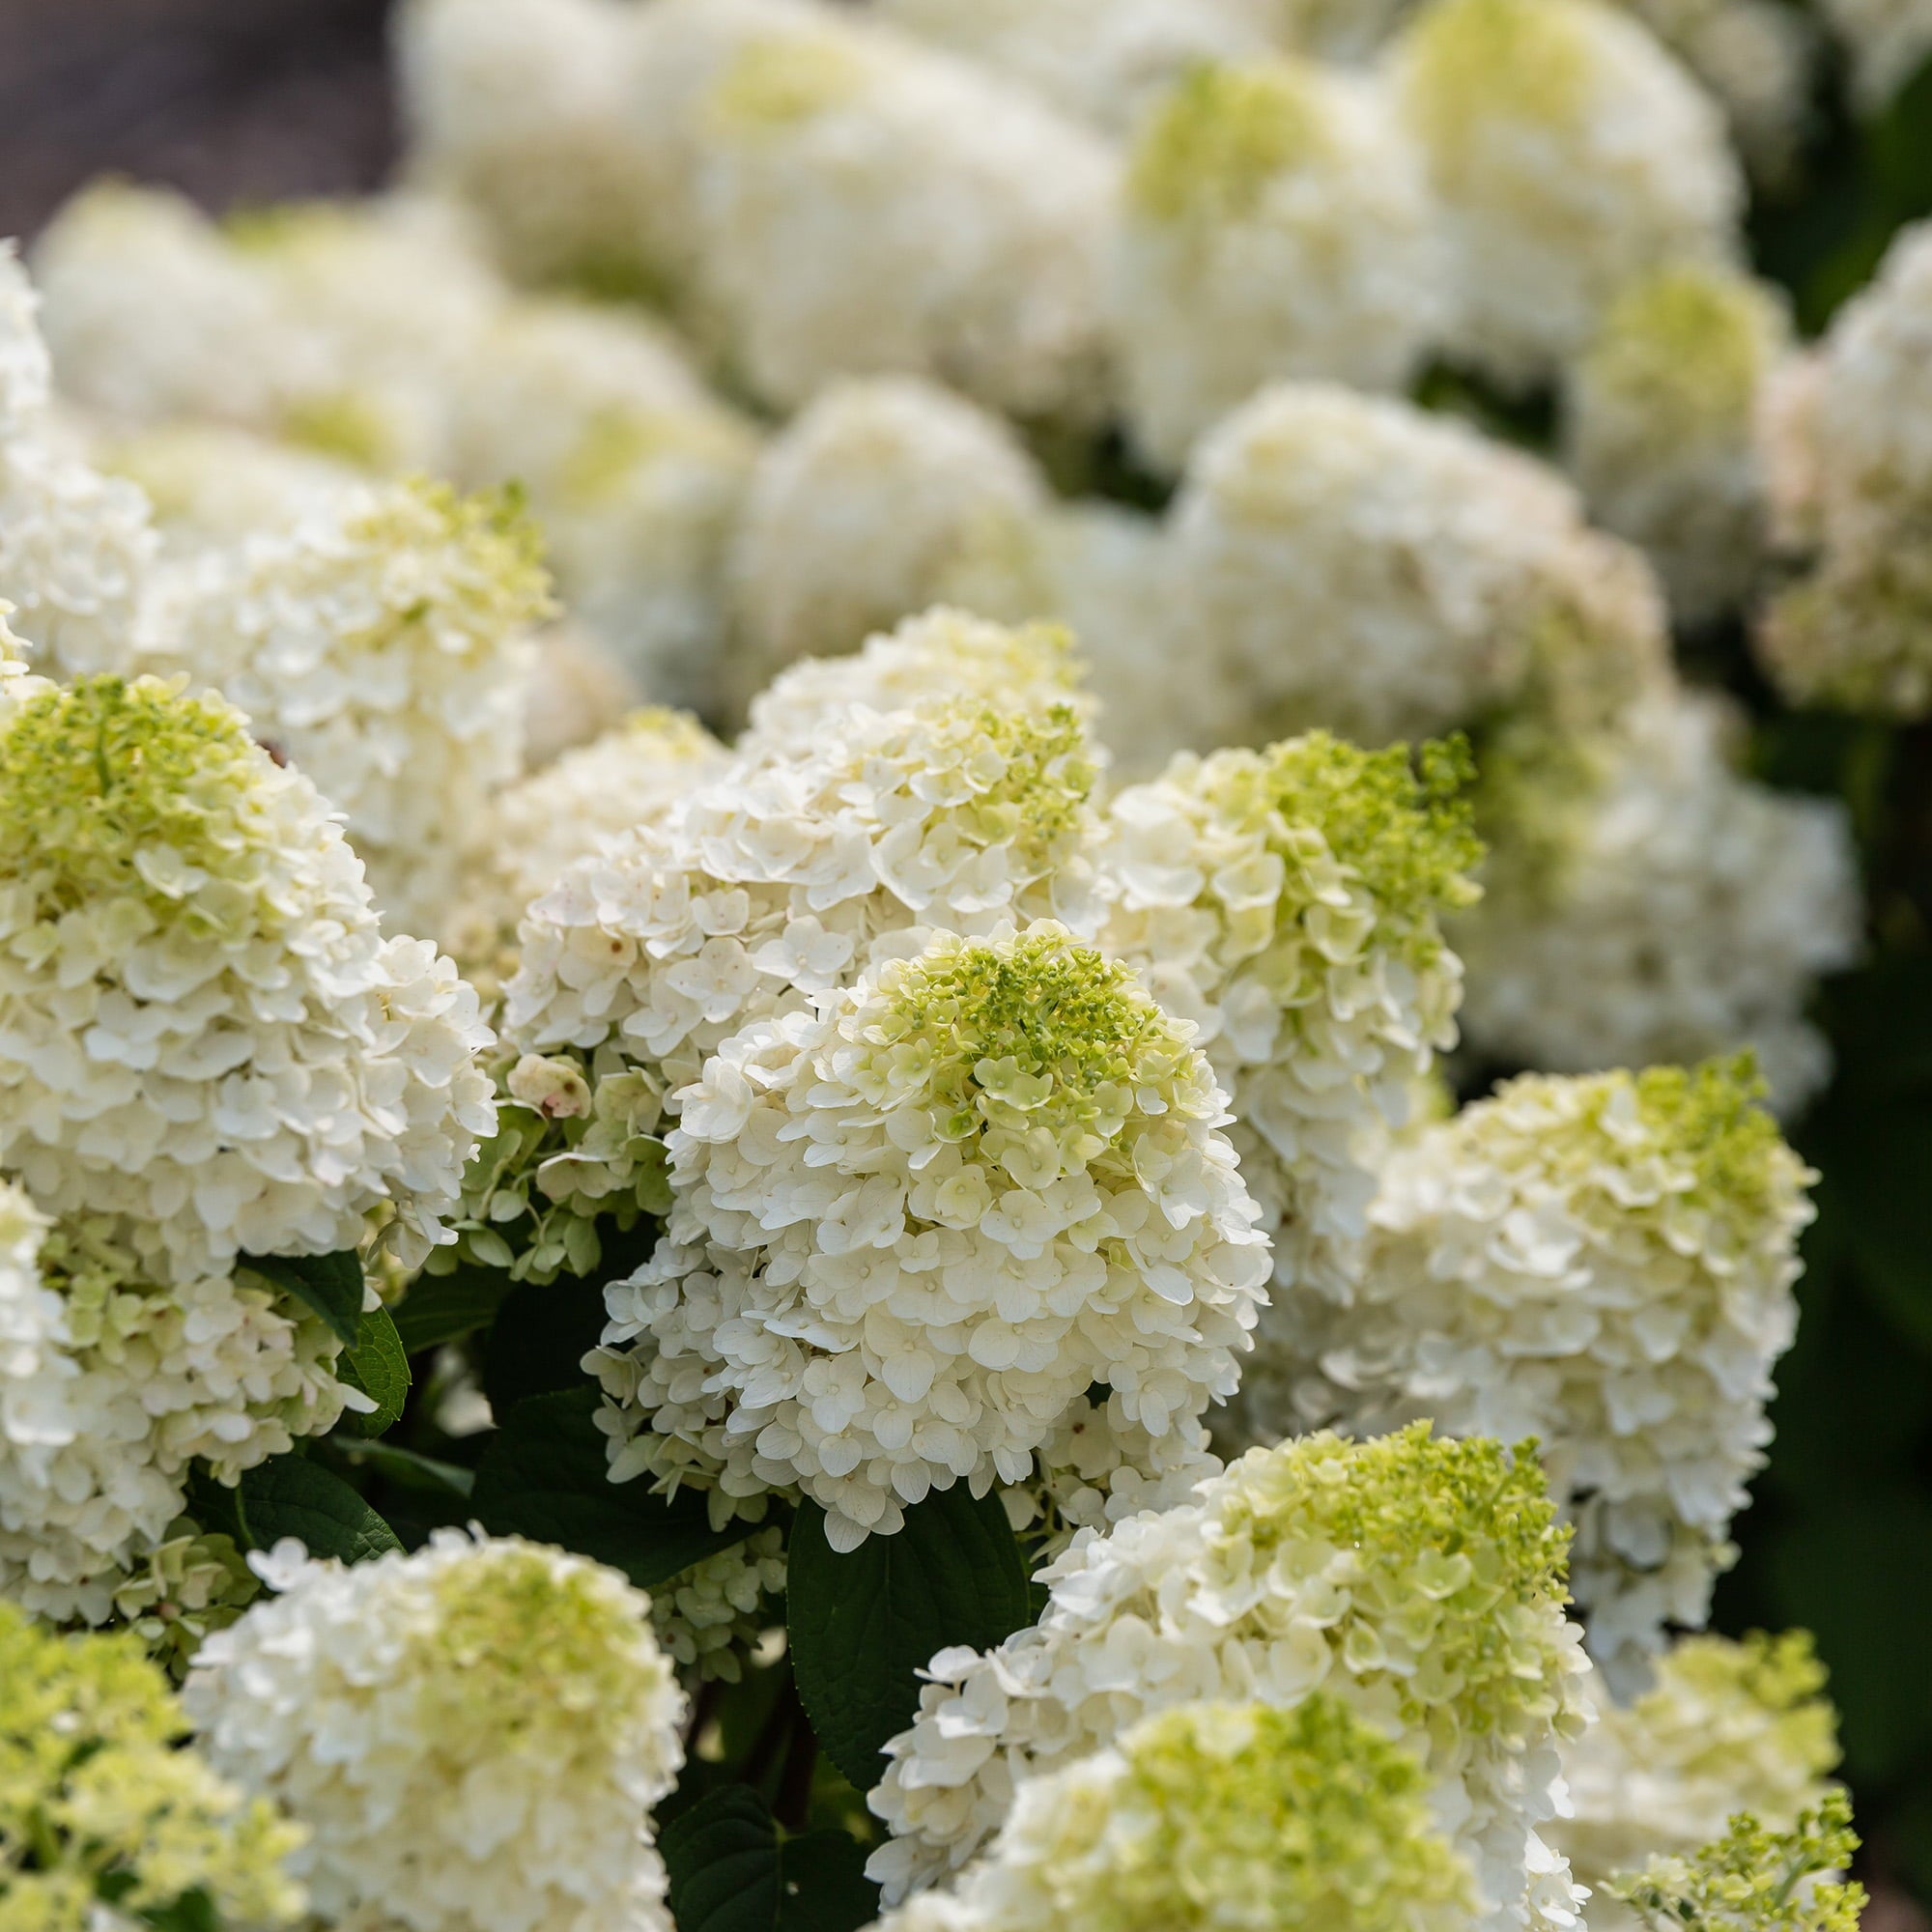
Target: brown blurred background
[(233, 101)]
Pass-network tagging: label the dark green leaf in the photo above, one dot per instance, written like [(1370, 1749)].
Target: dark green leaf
[(330, 1283), (409, 1471), (289, 1495), (444, 1308), (193, 1912), (863, 1626), (731, 1871), (541, 1335), (377, 1366), (544, 1475)]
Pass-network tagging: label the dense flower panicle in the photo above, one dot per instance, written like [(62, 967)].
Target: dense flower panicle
[(1726, 1727), (868, 205), (635, 471), (1888, 40), (1103, 61), (383, 645), (99, 1800), (632, 776), (782, 879), (882, 498), (1288, 902), (928, 1217), (710, 1617), (1571, 154), (473, 1734), (75, 546), (211, 483), (939, 654), (201, 1025), (1603, 1262), (1360, 564), (1671, 910), (522, 110), (1218, 1814), (1855, 634), (1757, 57), (1661, 428), (1753, 1880), (111, 1380), (1418, 1582), (1276, 224), (191, 1582)]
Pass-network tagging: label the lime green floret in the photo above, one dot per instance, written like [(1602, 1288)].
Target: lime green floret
[(99, 1804), (1693, 342), (1454, 1540), (1221, 135), (500, 546), (1034, 1032), (1710, 1115), (101, 780), (1260, 1817), (1751, 1880), (520, 1644), (341, 424), (1402, 825), (1469, 61), (781, 82), (1781, 1675)]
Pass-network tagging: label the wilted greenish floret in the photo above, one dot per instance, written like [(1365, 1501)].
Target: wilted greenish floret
[(99, 1804), (1253, 1816), (1220, 136), (111, 789), (1473, 60), (1691, 342), (1751, 1880), (1451, 1535)]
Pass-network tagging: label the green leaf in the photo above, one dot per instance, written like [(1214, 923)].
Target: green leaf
[(409, 1470), (330, 1283), (193, 1912), (441, 1308), (542, 1333), (289, 1495), (379, 1367), (863, 1626), (544, 1475), (731, 1871)]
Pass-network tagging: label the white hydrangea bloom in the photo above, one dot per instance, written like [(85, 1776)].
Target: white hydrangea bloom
[(1316, 1566), (521, 109), (1218, 1814), (1288, 902), (75, 546), (1726, 1727), (784, 879), (1103, 61), (632, 776), (1570, 152), (869, 205), (1605, 1263), (473, 1734), (384, 645), (201, 1025), (1679, 910), (635, 470), (153, 316), (1357, 563), (1756, 56), (939, 654), (111, 1380), (882, 498), (576, 687), (708, 1618), (1276, 224), (1661, 428), (210, 483), (1888, 40), (928, 1217)]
